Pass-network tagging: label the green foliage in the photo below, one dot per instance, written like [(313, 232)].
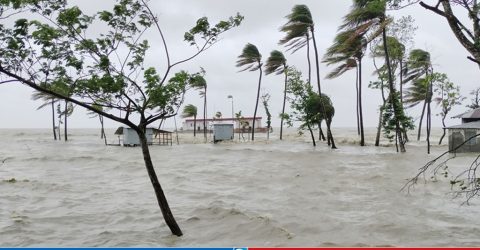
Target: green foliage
[(189, 110), (209, 34), (250, 58), (299, 22), (448, 94), (276, 63), (308, 107), (57, 48), (475, 101), (265, 98), (389, 115)]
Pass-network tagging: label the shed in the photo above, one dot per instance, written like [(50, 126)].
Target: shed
[(222, 132), (470, 116), (129, 137), (461, 133)]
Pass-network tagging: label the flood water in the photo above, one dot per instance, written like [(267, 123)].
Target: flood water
[(276, 193)]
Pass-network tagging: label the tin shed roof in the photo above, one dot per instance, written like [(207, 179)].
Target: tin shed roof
[(470, 114), (469, 125)]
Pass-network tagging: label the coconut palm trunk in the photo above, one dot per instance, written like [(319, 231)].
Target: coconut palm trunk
[(311, 134), (317, 66), (284, 102), (205, 113), (65, 133), (421, 120), (356, 92), (256, 104), (161, 199), (379, 128), (360, 111), (392, 92), (194, 126), (308, 60), (53, 120)]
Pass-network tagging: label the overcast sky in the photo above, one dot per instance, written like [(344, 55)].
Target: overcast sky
[(260, 27)]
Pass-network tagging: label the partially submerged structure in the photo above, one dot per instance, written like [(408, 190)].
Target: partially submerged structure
[(222, 132), (463, 133), (128, 137)]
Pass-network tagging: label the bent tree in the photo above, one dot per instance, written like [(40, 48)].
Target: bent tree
[(61, 48)]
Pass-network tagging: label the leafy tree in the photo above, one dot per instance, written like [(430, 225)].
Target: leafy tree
[(448, 97), (48, 101), (468, 37), (308, 107), (277, 64), (190, 110), (251, 60), (475, 99), (59, 51), (101, 120), (265, 99)]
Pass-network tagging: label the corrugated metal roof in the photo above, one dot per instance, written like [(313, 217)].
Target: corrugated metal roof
[(470, 114), (469, 125)]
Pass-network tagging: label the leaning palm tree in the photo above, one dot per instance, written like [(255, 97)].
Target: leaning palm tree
[(417, 71), (277, 64), (348, 50), (297, 34), (369, 17), (251, 60), (48, 101), (198, 82), (190, 110)]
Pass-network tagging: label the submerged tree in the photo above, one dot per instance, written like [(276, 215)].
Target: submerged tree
[(277, 64), (369, 17), (448, 97), (60, 46), (475, 101), (190, 110), (48, 101), (348, 50), (251, 60), (265, 100)]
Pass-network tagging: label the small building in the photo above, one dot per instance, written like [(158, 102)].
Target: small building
[(222, 132), (460, 134), (470, 116), (129, 138), (188, 123)]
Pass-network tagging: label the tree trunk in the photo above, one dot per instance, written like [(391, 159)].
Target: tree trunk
[(330, 134), (392, 92), (379, 128), (309, 62), (102, 131), (321, 135), (316, 60), (429, 114), (256, 104), (311, 134), (53, 120), (65, 133), (205, 113), (284, 101), (161, 199), (362, 133), (358, 115), (195, 126), (443, 135), (421, 121)]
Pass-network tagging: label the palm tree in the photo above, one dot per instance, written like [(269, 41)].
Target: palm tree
[(297, 34), (48, 101), (189, 111), (348, 51), (251, 60), (198, 82), (418, 66), (277, 64), (369, 17)]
